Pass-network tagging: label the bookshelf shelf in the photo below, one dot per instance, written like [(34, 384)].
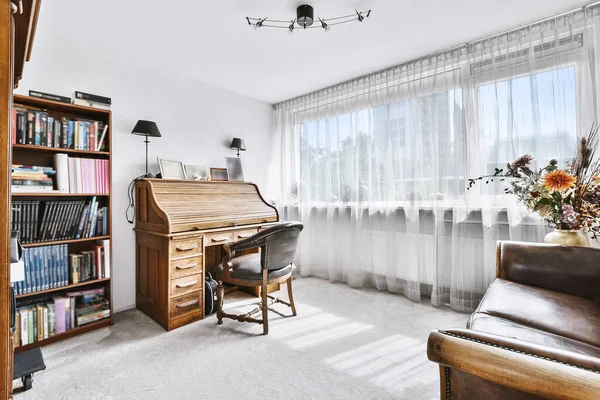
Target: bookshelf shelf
[(67, 241), (67, 334), (29, 147), (31, 155), (68, 287), (55, 194), (61, 107)]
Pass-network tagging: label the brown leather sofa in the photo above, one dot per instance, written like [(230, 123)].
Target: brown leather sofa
[(535, 334)]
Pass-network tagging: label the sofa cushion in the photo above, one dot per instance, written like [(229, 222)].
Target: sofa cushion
[(500, 326), (557, 313)]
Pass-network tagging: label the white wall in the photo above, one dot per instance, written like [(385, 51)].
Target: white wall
[(197, 122)]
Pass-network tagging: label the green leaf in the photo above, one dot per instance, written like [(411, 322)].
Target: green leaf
[(545, 201)]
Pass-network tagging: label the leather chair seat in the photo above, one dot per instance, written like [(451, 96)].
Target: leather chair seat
[(247, 267), (539, 315)]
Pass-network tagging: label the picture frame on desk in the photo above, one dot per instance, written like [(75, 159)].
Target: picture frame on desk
[(219, 174), (196, 172), (235, 171), (171, 169)]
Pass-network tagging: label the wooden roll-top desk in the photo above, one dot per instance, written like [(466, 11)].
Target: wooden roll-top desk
[(180, 229)]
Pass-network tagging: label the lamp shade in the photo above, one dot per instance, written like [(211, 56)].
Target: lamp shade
[(144, 128), (238, 144)]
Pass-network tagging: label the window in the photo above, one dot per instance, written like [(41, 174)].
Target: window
[(532, 114), (406, 150), (415, 149)]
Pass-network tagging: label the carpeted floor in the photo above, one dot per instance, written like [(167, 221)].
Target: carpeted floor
[(344, 344)]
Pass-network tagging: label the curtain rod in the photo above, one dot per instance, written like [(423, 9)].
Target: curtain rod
[(582, 8)]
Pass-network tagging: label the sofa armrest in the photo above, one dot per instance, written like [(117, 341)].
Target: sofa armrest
[(566, 269), (543, 371)]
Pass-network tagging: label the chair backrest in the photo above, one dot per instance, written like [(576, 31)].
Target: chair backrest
[(279, 246)]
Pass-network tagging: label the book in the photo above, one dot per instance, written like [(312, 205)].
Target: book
[(30, 127), (21, 128), (61, 165), (49, 140), (48, 96), (91, 98)]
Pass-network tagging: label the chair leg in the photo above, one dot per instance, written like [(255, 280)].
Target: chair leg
[(291, 296), (220, 293), (265, 301)]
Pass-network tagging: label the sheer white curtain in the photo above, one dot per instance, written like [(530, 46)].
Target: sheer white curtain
[(376, 168)]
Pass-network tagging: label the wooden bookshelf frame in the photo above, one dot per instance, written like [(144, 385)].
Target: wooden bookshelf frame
[(31, 152), (67, 334)]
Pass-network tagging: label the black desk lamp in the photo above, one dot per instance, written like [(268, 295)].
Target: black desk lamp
[(147, 129), (238, 144)]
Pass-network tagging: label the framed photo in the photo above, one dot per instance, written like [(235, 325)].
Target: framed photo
[(219, 174), (234, 169), (171, 169), (196, 172)]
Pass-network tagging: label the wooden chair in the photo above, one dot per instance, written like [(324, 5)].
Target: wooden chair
[(272, 265)]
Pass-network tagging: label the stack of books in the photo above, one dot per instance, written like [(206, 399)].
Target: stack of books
[(48, 221), (45, 317), (33, 126), (91, 307), (81, 175), (27, 178), (91, 100), (91, 264)]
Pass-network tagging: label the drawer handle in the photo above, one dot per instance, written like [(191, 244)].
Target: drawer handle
[(244, 236), (187, 303), (219, 239), (187, 248), (187, 266), (187, 284)]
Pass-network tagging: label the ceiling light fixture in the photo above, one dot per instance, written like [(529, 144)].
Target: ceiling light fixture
[(305, 18)]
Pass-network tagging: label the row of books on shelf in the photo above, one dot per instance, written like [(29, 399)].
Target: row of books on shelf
[(34, 126), (69, 175), (51, 267), (48, 316), (79, 98), (48, 221), (81, 175)]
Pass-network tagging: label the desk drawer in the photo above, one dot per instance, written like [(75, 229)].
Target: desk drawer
[(218, 238), (186, 247), (186, 266), (244, 234), (187, 284), (186, 303)]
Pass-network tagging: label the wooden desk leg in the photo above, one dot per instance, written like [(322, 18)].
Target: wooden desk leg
[(220, 293)]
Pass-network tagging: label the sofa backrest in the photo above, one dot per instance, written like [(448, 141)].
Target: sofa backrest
[(567, 269)]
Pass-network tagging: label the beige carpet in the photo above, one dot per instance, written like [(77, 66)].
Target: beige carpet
[(344, 344)]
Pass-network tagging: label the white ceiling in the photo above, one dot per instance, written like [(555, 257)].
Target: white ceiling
[(211, 41)]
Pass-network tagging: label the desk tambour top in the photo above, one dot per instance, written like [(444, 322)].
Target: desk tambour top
[(174, 206)]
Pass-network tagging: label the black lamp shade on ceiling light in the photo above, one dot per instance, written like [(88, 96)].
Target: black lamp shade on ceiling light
[(146, 128), (305, 16)]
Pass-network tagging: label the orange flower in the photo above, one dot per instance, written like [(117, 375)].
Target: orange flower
[(559, 180)]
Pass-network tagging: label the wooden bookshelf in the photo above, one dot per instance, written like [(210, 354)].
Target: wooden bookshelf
[(57, 194), (58, 289), (78, 153), (67, 334), (43, 156), (67, 241)]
